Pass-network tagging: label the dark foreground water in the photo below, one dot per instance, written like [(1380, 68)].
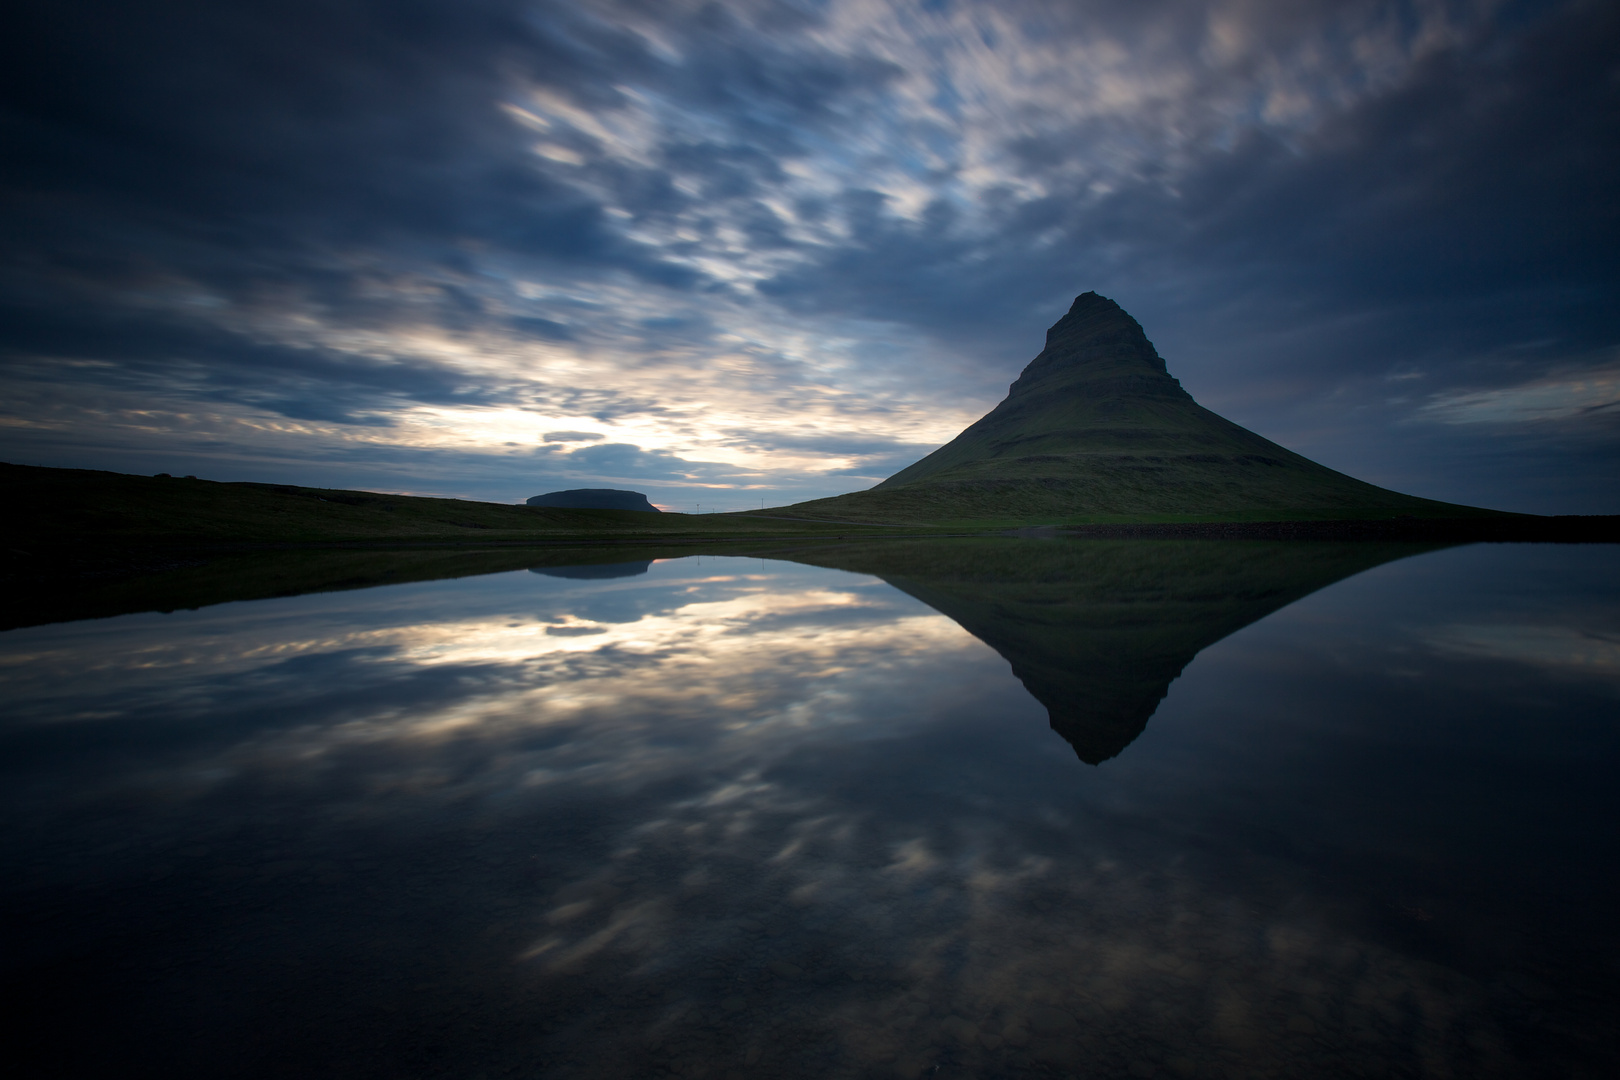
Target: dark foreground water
[(731, 817)]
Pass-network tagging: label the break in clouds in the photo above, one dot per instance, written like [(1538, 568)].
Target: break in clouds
[(725, 252)]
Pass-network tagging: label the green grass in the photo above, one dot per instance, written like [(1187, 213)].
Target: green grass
[(52, 508), (925, 508), (1096, 431), (77, 506), (1084, 486)]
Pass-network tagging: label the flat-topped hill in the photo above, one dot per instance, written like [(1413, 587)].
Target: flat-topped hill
[(47, 508), (595, 499), (1095, 428)]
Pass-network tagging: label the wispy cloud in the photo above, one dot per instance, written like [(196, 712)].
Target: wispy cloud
[(1592, 394), (771, 235), (1591, 652)]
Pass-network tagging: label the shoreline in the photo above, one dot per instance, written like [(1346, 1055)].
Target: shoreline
[(1564, 529)]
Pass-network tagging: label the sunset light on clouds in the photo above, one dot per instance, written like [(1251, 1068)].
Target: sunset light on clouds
[(778, 249)]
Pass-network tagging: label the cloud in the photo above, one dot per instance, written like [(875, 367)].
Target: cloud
[(665, 744), (795, 242), (546, 329), (1592, 395), (626, 459)]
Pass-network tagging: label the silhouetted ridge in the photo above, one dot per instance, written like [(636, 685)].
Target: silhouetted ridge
[(595, 499), (1095, 425)]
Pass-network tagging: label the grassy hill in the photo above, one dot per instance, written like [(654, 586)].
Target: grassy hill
[(1095, 429), (49, 507), (80, 543)]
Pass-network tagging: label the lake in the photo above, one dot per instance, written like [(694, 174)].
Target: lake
[(946, 809)]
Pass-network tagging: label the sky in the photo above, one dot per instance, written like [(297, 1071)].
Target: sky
[(748, 253)]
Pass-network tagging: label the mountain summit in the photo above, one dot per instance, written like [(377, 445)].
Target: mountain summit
[(1095, 426)]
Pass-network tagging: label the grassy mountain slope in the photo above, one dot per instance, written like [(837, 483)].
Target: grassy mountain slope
[(45, 507), (1095, 429)]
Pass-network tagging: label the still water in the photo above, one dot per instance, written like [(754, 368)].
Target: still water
[(1011, 808)]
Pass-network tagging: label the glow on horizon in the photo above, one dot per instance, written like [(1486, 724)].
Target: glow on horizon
[(791, 247)]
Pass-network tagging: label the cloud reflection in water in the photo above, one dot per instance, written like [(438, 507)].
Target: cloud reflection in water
[(762, 819)]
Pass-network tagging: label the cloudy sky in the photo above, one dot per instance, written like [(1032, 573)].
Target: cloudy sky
[(777, 249)]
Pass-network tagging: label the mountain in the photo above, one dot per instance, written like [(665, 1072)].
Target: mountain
[(1095, 428), (594, 499), (1097, 630)]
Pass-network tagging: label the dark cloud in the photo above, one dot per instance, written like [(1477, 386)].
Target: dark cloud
[(1482, 174), (344, 158), (875, 457), (629, 461), (545, 329), (1432, 226), (1328, 216), (289, 125), (138, 351)]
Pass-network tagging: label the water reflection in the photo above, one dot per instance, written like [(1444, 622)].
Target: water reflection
[(742, 817), (1098, 631), (596, 571)]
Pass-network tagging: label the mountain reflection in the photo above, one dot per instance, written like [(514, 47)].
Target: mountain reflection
[(595, 572), (1097, 630), (793, 816)]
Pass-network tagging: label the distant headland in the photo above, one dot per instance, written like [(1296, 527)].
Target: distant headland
[(595, 499)]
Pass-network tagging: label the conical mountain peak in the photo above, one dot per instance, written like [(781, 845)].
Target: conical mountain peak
[(1096, 333), (1096, 426)]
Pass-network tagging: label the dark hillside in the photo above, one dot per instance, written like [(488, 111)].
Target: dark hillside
[(1095, 428), (46, 508)]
